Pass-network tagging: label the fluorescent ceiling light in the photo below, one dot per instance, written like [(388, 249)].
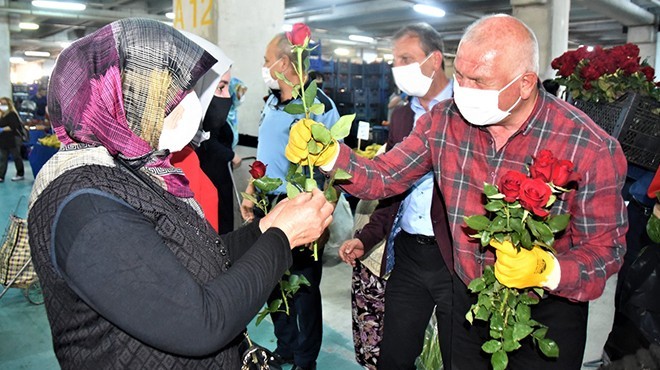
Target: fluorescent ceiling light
[(16, 60), (590, 48), (59, 5), (342, 52), (28, 26), (388, 56), (30, 53), (169, 15), (429, 10), (65, 44), (361, 38), (287, 27)]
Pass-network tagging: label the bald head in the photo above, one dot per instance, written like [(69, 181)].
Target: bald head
[(505, 41)]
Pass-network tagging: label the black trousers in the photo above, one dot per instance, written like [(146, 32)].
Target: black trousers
[(419, 282), (567, 323), (299, 334), (16, 154)]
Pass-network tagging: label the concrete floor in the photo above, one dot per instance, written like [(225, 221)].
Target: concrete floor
[(25, 341)]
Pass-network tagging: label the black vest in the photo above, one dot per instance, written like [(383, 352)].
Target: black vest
[(82, 339)]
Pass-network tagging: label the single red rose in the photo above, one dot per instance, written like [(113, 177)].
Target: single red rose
[(299, 34), (257, 170), (542, 166), (630, 66), (587, 85), (534, 195), (562, 172), (510, 185), (589, 72)]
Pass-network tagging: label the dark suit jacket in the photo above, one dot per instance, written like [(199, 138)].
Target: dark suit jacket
[(380, 223)]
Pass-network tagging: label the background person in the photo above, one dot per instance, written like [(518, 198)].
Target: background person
[(300, 333), (10, 139), (420, 280), (498, 120), (132, 274)]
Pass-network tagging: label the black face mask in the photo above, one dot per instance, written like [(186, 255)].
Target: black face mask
[(217, 113)]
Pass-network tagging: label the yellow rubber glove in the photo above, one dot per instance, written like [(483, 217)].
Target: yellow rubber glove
[(297, 150), (524, 269)]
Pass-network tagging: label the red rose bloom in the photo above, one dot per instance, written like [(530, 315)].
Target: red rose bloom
[(562, 172), (510, 185), (542, 166), (534, 195), (299, 34), (257, 170)]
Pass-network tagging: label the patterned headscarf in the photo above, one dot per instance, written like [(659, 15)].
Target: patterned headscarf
[(113, 89)]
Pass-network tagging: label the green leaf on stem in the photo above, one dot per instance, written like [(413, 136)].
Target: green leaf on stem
[(477, 222), (551, 200), (491, 346), (495, 334), (497, 323), (549, 347), (310, 94), (526, 239), (494, 206), (510, 345), (310, 184), (468, 315), (317, 109), (499, 360), (498, 224), (294, 108), (540, 333), (267, 184), (490, 190), (321, 134), (342, 127), (312, 148), (281, 76), (291, 190), (306, 66), (331, 194), (485, 238), (342, 175), (261, 316), (523, 312), (559, 222), (477, 285), (520, 331)]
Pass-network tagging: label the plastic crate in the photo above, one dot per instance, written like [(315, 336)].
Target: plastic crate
[(635, 121)]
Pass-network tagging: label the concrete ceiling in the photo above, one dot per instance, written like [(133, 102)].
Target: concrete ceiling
[(592, 22)]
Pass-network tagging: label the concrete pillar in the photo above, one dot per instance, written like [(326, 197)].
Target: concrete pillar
[(549, 21), (243, 34), (646, 38), (5, 53)]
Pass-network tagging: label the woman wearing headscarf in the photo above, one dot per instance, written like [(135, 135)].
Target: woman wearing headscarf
[(10, 139), (132, 274)]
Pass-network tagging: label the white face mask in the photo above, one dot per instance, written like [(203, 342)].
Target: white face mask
[(270, 82), (180, 126), (481, 107), (411, 80), (4, 107)]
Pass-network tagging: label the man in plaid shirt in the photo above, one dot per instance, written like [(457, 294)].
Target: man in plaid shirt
[(498, 120)]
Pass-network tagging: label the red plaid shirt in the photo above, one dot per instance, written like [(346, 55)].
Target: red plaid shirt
[(464, 156)]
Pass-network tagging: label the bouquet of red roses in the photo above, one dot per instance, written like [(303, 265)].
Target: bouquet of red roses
[(518, 216), (599, 74)]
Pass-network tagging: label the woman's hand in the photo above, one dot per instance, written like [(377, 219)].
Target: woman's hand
[(302, 218)]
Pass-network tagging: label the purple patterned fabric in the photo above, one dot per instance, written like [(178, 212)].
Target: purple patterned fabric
[(368, 311), (113, 88)]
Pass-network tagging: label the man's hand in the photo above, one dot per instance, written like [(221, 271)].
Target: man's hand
[(524, 269), (297, 150), (351, 250)]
